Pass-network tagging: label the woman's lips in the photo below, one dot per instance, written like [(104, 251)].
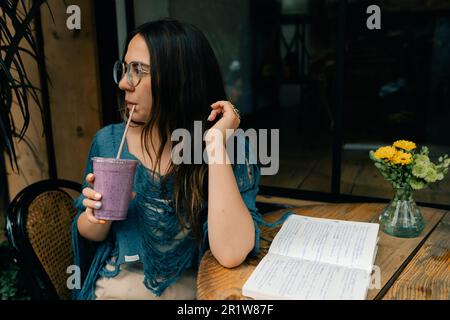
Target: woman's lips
[(130, 106)]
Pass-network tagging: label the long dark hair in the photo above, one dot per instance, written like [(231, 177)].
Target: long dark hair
[(186, 80)]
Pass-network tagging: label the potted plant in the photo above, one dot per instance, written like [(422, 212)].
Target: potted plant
[(16, 89)]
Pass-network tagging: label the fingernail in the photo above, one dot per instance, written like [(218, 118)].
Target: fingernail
[(98, 196), (98, 205)]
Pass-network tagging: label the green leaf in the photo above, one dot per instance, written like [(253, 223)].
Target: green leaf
[(16, 27)]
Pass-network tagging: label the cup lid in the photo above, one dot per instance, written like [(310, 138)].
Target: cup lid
[(114, 160)]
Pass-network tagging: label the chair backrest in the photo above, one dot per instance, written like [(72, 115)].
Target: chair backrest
[(39, 229)]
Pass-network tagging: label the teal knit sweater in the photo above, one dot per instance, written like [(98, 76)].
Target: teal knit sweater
[(151, 233)]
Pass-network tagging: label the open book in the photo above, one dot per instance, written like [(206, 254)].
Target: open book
[(314, 258)]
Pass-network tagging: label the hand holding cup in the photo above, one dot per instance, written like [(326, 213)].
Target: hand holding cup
[(93, 200)]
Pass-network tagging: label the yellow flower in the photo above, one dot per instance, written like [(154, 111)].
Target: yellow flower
[(402, 158), (405, 145), (385, 152)]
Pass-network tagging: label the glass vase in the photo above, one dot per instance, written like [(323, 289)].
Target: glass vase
[(402, 217)]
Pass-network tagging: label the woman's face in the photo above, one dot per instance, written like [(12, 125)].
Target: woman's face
[(141, 95)]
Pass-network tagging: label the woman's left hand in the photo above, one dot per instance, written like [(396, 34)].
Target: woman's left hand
[(230, 119)]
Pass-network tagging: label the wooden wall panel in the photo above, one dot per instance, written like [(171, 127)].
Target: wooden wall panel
[(71, 58)]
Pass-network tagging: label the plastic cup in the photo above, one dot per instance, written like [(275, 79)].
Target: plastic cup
[(114, 180)]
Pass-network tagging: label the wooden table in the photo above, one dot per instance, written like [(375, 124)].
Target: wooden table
[(416, 268)]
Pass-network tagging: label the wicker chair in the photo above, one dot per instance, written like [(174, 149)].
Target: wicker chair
[(38, 226)]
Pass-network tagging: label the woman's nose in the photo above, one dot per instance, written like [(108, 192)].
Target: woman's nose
[(123, 84)]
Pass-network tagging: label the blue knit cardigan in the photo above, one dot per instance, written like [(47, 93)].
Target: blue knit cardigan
[(151, 233)]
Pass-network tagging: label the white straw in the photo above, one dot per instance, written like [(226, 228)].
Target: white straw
[(125, 133)]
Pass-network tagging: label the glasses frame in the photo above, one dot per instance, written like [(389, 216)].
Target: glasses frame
[(126, 67)]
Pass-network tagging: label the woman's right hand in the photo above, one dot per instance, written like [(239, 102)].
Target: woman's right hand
[(92, 200)]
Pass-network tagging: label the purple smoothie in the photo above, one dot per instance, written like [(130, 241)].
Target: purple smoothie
[(114, 180)]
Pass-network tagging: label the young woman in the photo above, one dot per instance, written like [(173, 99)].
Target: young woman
[(170, 74)]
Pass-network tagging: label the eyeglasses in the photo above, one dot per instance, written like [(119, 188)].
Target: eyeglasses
[(134, 71)]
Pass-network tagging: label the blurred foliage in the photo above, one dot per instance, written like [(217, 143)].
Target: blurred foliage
[(12, 284)]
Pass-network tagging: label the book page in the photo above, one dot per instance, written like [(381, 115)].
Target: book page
[(280, 277), (344, 243)]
